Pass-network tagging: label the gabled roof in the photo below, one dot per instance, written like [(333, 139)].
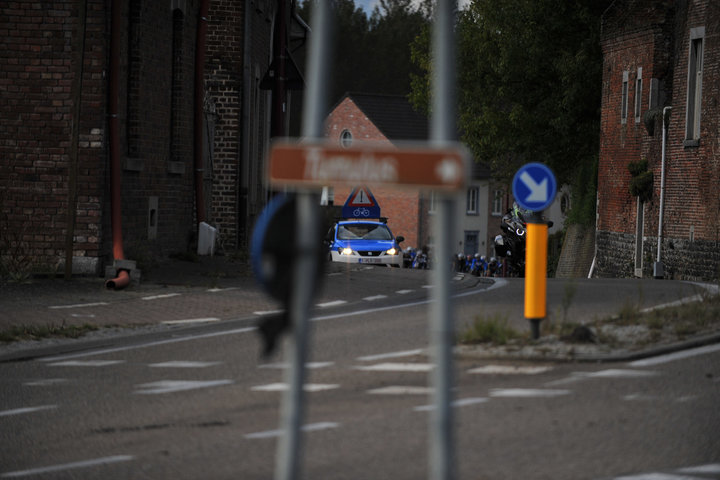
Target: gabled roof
[(392, 115)]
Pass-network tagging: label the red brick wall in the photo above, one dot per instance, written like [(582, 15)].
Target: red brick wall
[(401, 207), (37, 71)]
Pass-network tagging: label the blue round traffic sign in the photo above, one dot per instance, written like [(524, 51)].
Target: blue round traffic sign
[(534, 187)]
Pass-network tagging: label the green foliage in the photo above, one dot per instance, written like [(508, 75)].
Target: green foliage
[(641, 183), (584, 194), (529, 78), (372, 55), (38, 332)]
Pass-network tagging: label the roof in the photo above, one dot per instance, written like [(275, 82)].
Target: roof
[(392, 115)]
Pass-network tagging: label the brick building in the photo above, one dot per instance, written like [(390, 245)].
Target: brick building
[(660, 59), (58, 113)]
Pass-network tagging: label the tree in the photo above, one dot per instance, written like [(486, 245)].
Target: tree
[(529, 82)]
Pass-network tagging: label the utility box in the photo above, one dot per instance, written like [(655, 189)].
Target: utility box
[(206, 239)]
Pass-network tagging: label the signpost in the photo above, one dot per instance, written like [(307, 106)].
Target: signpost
[(534, 188), (361, 204)]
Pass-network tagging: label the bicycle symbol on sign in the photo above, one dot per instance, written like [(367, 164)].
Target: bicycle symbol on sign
[(361, 212)]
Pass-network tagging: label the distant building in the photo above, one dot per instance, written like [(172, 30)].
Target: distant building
[(660, 58), (388, 118)]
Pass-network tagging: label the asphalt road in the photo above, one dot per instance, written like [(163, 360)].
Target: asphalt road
[(188, 403)]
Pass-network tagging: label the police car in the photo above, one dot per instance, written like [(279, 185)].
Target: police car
[(364, 241)]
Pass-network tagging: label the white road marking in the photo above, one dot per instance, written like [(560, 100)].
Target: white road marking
[(527, 393), (268, 312), (150, 344), (656, 476), (509, 370), (710, 468), (313, 427), (397, 367), (383, 356), (375, 297), (403, 292), (401, 390), (78, 305), (464, 402), (227, 289), (191, 321), (183, 364), (86, 363), (82, 315), (427, 286), (333, 303), (20, 411), (158, 297), (45, 382), (68, 466), (171, 386), (308, 365), (281, 387), (611, 373), (675, 356)]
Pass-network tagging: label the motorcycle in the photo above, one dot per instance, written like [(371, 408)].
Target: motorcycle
[(510, 244)]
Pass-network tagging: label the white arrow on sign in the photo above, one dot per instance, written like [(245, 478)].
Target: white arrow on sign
[(448, 171), (538, 191)]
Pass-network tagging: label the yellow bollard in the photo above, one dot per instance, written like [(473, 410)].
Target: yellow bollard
[(536, 272)]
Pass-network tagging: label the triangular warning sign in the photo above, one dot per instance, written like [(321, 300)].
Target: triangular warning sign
[(361, 197)]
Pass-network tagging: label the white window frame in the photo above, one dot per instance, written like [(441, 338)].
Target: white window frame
[(471, 207), (624, 98), (638, 95), (694, 89), (497, 205)]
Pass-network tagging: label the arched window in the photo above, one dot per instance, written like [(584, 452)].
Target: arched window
[(346, 139)]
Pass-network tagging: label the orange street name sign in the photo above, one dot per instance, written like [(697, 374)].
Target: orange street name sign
[(318, 165)]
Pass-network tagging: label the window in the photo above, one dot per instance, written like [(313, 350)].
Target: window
[(472, 201), (346, 139), (497, 208), (638, 95), (694, 92), (624, 105), (432, 203)]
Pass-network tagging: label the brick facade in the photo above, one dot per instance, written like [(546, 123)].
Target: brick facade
[(44, 50), (652, 40)]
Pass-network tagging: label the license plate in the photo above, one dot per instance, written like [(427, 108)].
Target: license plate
[(370, 260)]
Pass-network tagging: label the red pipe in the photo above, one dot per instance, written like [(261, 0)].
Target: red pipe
[(123, 278), (199, 100)]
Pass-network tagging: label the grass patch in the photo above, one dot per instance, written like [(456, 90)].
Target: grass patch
[(38, 332), (494, 330)]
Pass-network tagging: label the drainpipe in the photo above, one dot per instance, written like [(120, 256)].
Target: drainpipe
[(123, 277), (199, 102), (658, 267)]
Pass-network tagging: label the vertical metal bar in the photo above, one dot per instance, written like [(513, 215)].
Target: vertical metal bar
[(443, 130), (289, 453)]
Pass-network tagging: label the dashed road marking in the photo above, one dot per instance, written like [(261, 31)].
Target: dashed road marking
[(616, 373), (171, 386), (527, 393), (397, 367), (158, 297), (68, 466), (183, 364), (463, 402), (46, 382), (374, 297), (403, 292), (383, 356), (268, 312), (227, 289), (308, 365), (675, 356), (79, 305), (85, 363), (20, 411), (509, 370), (191, 321), (334, 303), (313, 427), (401, 390), (281, 387), (709, 468)]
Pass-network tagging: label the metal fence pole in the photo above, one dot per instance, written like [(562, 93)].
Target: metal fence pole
[(441, 322), (289, 453)]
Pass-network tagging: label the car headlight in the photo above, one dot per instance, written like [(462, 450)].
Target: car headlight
[(346, 251), (392, 251)]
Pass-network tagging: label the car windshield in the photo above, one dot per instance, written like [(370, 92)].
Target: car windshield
[(363, 231)]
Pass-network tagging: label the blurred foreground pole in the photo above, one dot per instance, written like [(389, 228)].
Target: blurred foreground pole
[(443, 131), (289, 453)]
